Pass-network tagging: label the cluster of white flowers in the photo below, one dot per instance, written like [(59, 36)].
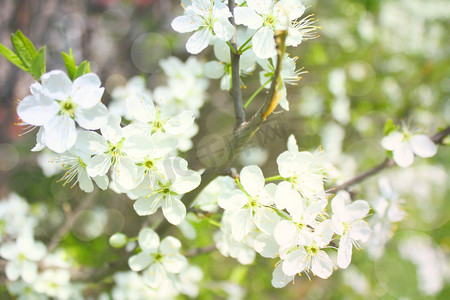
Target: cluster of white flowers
[(32, 271), (258, 21), (141, 157), (163, 268), (388, 211), (289, 220)]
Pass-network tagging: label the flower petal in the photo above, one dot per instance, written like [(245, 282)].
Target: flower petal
[(37, 109), (140, 261), (423, 146), (148, 240), (264, 43), (175, 212), (60, 133), (199, 41), (92, 118), (252, 180)]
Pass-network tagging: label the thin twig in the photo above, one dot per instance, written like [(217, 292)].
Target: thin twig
[(198, 251), (235, 74), (246, 131), (56, 238), (437, 139)]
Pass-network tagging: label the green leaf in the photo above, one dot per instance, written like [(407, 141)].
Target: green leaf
[(38, 64), (24, 48), (389, 127), (69, 61), (12, 57), (83, 68)]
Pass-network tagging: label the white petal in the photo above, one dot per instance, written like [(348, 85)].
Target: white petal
[(252, 180), (264, 43), (322, 265), (360, 231), (262, 7), (140, 261), (37, 109), (199, 41), (344, 252), (9, 250), (180, 123), (91, 142), (12, 270), (266, 219), (403, 155), (99, 165), (357, 210), (170, 245), (392, 141), (174, 263), (295, 262), (339, 202), (141, 107), (155, 275), (284, 232), (175, 212), (232, 200), (60, 133), (125, 173), (265, 245), (29, 271), (87, 97), (223, 29), (423, 146), (214, 69), (101, 181), (56, 84), (185, 24), (40, 142), (248, 17), (84, 181), (186, 183), (279, 279), (92, 118), (147, 206), (148, 239), (242, 223)]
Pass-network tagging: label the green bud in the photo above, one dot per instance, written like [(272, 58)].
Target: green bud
[(118, 240)]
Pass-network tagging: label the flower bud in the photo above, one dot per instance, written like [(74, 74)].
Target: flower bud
[(118, 240)]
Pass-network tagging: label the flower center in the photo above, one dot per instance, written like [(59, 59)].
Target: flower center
[(68, 107), (157, 256)]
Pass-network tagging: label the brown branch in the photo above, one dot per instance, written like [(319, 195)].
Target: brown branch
[(235, 91), (246, 130), (198, 251), (56, 238), (437, 139)]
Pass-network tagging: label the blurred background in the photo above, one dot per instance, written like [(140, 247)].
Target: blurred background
[(374, 60)]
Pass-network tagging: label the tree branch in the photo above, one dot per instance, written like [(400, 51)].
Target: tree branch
[(235, 74), (246, 130), (437, 139), (56, 238)]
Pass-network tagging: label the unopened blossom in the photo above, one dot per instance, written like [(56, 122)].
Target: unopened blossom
[(158, 258), (406, 143), (209, 19), (348, 223), (59, 103)]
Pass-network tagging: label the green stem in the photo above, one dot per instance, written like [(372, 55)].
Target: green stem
[(232, 48), (274, 178), (243, 45), (256, 93)]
